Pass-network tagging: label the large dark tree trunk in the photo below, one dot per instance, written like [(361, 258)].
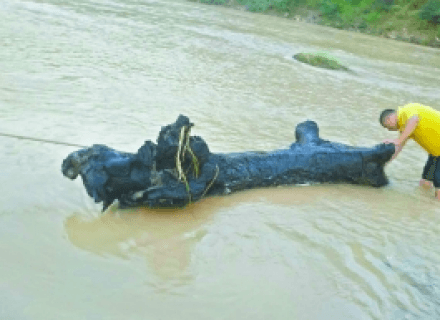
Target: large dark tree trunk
[(151, 177)]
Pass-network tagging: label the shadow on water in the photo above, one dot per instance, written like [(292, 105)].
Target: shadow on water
[(166, 237)]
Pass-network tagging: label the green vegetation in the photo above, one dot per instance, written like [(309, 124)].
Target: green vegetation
[(214, 1), (264, 5), (431, 12), (322, 60), (416, 21)]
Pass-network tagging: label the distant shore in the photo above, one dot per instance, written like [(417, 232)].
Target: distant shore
[(387, 25)]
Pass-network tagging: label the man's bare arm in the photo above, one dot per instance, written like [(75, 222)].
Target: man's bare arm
[(411, 125)]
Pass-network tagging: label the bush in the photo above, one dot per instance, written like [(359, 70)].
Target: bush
[(383, 5), (283, 5), (329, 8), (264, 5), (431, 11), (257, 5), (372, 17)]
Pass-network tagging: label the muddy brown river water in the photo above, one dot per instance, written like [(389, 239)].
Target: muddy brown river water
[(113, 72)]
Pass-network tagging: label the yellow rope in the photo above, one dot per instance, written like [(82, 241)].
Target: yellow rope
[(212, 181), (195, 162), (181, 174), (180, 157), (178, 163), (187, 135)]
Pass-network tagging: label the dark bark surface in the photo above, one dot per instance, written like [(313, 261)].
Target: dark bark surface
[(150, 177)]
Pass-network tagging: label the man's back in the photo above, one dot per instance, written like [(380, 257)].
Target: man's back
[(427, 132)]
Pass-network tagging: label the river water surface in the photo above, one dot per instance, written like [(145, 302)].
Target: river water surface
[(113, 72)]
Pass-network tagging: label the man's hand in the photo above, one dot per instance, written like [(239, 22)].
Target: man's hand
[(395, 141), (398, 147), (411, 125)]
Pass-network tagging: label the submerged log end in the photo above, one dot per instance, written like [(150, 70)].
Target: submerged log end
[(373, 166)]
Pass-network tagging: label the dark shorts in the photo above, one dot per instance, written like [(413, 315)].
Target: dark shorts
[(431, 171)]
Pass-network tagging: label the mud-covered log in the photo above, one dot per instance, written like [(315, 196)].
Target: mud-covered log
[(180, 168)]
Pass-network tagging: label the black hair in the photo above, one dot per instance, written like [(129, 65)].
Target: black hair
[(384, 114)]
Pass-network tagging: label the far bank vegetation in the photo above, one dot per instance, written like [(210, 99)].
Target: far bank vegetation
[(416, 21)]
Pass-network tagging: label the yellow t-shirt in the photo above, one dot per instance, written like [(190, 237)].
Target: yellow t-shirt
[(427, 132)]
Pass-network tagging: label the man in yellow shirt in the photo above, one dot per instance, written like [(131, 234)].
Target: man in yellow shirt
[(422, 124)]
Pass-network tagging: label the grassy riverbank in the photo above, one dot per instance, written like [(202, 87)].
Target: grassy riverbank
[(416, 21)]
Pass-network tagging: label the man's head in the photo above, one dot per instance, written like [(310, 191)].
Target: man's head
[(388, 119)]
